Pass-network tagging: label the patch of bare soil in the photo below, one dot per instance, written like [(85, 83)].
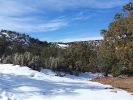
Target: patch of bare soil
[(125, 83)]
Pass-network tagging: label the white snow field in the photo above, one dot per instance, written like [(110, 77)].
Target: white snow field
[(22, 83)]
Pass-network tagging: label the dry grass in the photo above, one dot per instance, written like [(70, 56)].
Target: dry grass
[(32, 74), (125, 83)]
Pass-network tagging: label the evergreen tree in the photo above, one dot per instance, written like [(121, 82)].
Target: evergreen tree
[(117, 47)]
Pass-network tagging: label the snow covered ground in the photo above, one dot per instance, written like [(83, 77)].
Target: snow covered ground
[(22, 83)]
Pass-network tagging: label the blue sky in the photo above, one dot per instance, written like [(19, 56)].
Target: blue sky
[(59, 20)]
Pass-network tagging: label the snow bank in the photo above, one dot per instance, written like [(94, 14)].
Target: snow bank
[(22, 83)]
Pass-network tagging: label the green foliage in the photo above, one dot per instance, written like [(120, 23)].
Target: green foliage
[(117, 16), (116, 71), (4, 46), (103, 32), (117, 47), (128, 6)]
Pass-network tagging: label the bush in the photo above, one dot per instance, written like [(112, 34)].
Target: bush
[(116, 71)]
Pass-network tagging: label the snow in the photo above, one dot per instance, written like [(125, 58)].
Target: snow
[(22, 83), (15, 37), (5, 34), (63, 45)]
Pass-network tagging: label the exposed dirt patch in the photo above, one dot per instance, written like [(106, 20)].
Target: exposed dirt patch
[(125, 83)]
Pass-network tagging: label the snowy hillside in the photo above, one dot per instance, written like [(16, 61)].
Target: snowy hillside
[(22, 83), (93, 43), (15, 37)]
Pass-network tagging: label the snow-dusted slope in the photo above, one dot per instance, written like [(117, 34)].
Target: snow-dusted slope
[(15, 37), (22, 83)]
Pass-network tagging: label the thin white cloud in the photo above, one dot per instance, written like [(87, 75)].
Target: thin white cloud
[(60, 5), (15, 8), (13, 16), (53, 25), (26, 25), (10, 9), (18, 7)]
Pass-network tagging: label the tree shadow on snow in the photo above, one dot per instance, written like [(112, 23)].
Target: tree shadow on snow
[(12, 83)]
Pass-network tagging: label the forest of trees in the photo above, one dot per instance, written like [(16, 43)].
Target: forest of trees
[(114, 55)]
